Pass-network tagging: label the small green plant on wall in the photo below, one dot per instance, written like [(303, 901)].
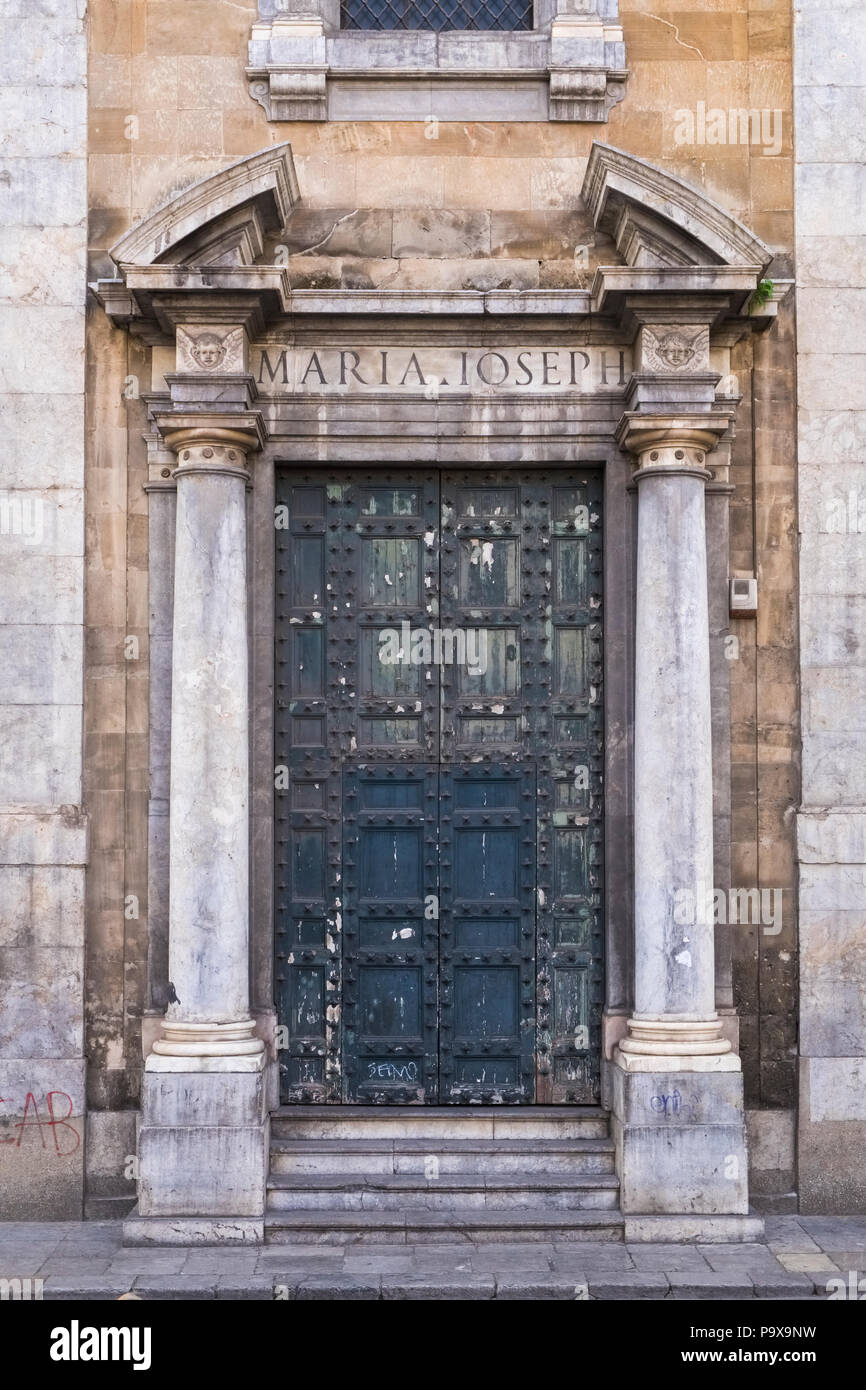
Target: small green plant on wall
[(761, 296)]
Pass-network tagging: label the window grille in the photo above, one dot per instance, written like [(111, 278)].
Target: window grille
[(436, 15)]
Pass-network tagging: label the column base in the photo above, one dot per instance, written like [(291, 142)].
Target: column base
[(204, 1142), (677, 1062), (670, 1036), (680, 1136), (180, 1039)]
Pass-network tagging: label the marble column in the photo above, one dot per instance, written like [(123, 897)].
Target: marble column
[(203, 1142), (677, 1091), (162, 499), (674, 994), (208, 1013)]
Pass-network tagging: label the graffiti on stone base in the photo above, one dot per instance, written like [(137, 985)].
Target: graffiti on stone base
[(63, 1135), (674, 1104)]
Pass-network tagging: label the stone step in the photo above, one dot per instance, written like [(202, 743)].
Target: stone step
[(525, 1157), (440, 1122), (101, 1208), (431, 1227), (402, 1192)]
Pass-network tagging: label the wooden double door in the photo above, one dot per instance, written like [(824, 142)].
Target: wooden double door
[(438, 780)]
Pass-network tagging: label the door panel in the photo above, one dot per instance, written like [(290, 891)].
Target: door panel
[(385, 534), (390, 944), (438, 785), (307, 799), (487, 933), (570, 873)]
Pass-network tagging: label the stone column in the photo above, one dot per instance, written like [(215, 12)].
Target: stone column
[(208, 1013), (674, 992), (204, 1136), (162, 504), (677, 1086)]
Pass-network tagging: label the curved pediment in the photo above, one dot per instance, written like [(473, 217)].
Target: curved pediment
[(220, 221), (657, 220)]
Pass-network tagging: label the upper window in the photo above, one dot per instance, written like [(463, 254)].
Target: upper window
[(457, 60), (436, 15)]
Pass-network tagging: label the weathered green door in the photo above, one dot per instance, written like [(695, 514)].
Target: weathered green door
[(438, 786)]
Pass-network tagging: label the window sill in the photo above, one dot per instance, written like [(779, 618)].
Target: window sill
[(300, 71)]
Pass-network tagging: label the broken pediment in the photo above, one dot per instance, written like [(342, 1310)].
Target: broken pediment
[(232, 235), (658, 220), (221, 221)]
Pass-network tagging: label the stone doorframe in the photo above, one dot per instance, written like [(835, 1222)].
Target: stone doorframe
[(189, 284)]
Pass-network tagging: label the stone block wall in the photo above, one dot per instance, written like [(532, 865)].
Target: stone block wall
[(43, 829), (830, 52)]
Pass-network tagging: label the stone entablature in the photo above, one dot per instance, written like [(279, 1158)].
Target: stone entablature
[(570, 67)]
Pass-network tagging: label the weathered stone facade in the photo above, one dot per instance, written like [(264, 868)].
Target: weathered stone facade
[(832, 525), (464, 233), (43, 824)]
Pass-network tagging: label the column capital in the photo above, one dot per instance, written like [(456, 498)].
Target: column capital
[(212, 440), (214, 449), (672, 443)]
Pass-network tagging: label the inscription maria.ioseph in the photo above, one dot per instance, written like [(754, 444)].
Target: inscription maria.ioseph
[(431, 370)]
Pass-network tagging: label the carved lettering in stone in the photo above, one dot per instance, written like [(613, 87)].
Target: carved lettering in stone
[(435, 370), (676, 349), (210, 351)]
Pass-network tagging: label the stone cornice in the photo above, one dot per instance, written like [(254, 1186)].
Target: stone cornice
[(618, 289), (147, 300)]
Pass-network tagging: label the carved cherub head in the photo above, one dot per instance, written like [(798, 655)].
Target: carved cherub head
[(676, 350), (208, 351)]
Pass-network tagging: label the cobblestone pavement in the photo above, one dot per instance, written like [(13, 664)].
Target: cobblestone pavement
[(798, 1257)]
